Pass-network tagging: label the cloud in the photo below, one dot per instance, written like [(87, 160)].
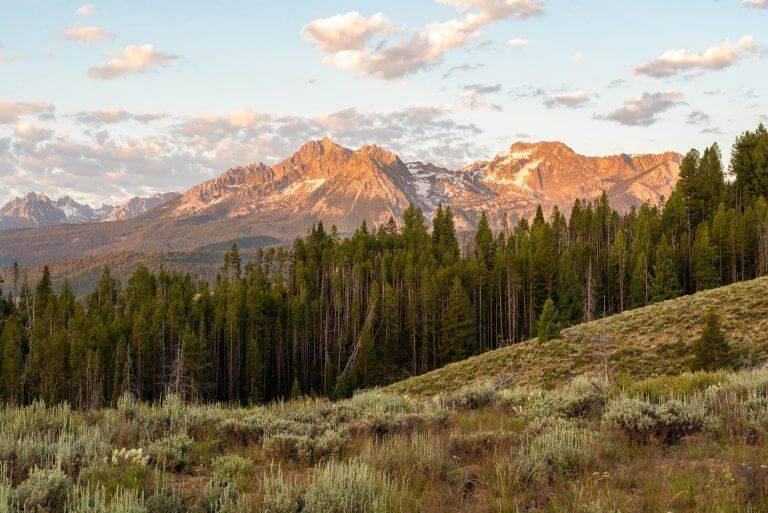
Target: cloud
[(574, 100), (716, 57), (85, 10), (643, 111), (495, 10), (757, 4), (619, 82), (461, 67), (130, 60), (344, 38), (342, 32), (698, 118), (106, 164), (12, 111), (528, 92), (483, 89), (715, 130), (87, 35), (30, 130), (150, 117), (517, 43), (113, 116), (473, 96), (749, 44)]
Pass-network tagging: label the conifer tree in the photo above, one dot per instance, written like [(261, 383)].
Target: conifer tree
[(704, 261), (548, 326), (456, 324), (639, 282), (12, 363), (570, 293), (665, 283), (711, 350)]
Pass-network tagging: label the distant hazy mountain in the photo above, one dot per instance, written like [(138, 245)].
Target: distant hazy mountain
[(38, 210)]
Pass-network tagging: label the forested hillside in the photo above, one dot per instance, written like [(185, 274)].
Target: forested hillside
[(333, 314)]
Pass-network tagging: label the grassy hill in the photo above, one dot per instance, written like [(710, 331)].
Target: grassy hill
[(634, 344)]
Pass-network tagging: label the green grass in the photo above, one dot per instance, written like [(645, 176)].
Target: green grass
[(635, 344)]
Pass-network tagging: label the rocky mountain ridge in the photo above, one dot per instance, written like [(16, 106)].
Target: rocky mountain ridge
[(36, 210), (344, 187)]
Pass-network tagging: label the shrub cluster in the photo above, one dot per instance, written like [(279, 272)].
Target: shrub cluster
[(644, 421)]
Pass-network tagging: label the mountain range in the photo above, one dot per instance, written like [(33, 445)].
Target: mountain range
[(343, 187), (38, 210), (324, 181)]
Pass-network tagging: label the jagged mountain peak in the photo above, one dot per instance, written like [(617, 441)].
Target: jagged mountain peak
[(37, 210)]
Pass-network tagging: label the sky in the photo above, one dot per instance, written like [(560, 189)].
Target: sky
[(108, 100)]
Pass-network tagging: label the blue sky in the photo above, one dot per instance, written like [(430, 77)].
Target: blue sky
[(195, 87)]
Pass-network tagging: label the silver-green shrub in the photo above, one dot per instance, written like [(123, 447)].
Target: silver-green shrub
[(644, 421), (352, 487), (44, 489), (561, 451), (171, 452)]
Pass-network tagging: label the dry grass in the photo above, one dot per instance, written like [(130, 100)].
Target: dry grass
[(640, 343)]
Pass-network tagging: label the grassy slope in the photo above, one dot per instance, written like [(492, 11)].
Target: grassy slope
[(640, 343)]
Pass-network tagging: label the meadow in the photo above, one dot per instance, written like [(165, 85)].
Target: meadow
[(692, 442)]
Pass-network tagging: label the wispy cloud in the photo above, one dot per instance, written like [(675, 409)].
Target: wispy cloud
[(461, 67), (757, 4), (643, 111), (716, 57), (573, 100), (517, 43), (85, 10), (114, 116), (87, 35), (131, 60), (12, 111), (473, 96), (698, 117)]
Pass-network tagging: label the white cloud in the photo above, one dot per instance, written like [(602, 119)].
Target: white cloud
[(344, 38), (758, 4), (643, 111), (494, 10), (12, 111), (576, 57), (30, 130), (87, 35), (86, 10), (716, 57), (517, 43), (348, 31), (573, 100), (130, 60)]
